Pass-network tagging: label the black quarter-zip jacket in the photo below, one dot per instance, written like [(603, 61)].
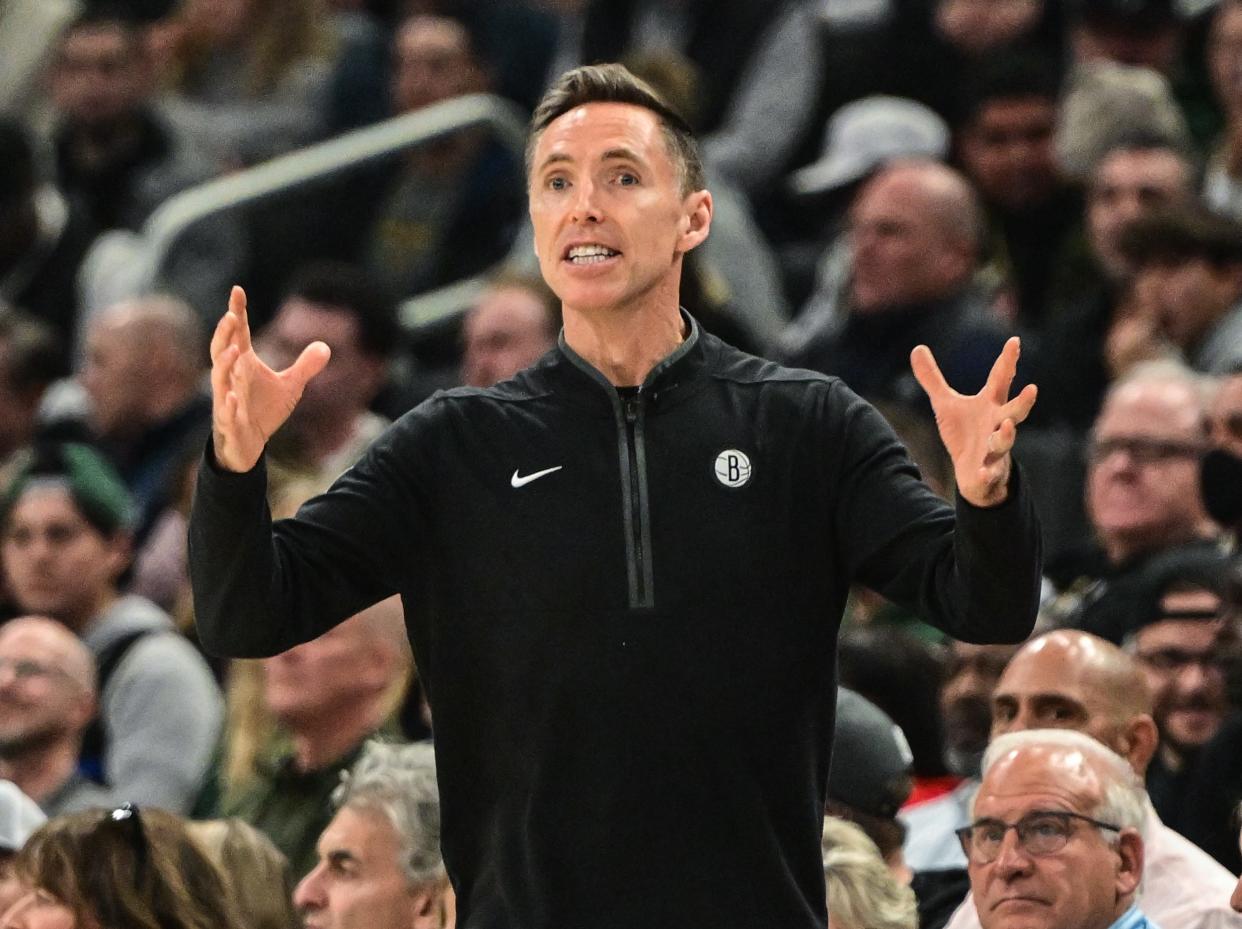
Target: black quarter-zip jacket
[(624, 606)]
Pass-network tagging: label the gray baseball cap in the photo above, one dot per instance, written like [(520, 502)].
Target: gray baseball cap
[(870, 758), (19, 817)]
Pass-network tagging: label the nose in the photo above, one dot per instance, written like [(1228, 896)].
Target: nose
[(1011, 861), (586, 203), (308, 895), (1235, 900)]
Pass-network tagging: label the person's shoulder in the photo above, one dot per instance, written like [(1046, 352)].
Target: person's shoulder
[(733, 364)]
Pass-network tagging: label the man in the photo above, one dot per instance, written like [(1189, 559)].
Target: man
[(584, 618), (64, 540), (328, 696), (47, 700), (340, 306), (1142, 496), (511, 326), (1072, 680), (1055, 838), (31, 361), (1143, 33), (143, 375), (379, 858), (915, 234), (1220, 471)]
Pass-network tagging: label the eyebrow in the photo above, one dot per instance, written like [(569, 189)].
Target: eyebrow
[(613, 154), (340, 857)]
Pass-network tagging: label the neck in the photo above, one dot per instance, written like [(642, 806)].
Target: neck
[(42, 772), (320, 438), (81, 620), (318, 743), (96, 146), (625, 344)]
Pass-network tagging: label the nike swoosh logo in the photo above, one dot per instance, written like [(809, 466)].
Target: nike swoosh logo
[(518, 481)]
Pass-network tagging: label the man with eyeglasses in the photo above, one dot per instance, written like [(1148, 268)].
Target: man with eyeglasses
[(47, 699), (1055, 836)]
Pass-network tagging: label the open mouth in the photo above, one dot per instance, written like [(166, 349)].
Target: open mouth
[(589, 254)]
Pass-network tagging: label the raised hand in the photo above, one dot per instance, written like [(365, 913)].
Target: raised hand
[(250, 401), (978, 431)]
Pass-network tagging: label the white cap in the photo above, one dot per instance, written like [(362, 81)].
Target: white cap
[(868, 133), (19, 817)]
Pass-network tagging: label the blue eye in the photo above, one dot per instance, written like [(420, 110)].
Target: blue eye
[(627, 179), (557, 183)]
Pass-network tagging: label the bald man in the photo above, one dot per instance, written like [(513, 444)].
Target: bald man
[(915, 233), (47, 699), (1073, 680)]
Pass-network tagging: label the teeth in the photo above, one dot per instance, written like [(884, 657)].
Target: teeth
[(590, 254)]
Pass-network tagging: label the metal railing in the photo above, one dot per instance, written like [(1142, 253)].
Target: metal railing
[(338, 156)]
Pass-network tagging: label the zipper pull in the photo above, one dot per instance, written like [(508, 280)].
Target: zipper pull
[(631, 409)]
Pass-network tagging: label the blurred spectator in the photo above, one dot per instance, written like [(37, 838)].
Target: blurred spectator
[(249, 77), (379, 857), (19, 817), (869, 777), (915, 232), (1073, 680), (1051, 788), (1138, 175), (43, 240), (1223, 183), (1142, 496), (513, 323), (65, 544), (28, 33), (966, 702), (122, 868), (118, 157), (1220, 471), (1004, 140), (256, 872), (862, 894), (143, 373), (328, 696), (47, 700), (1187, 299), (341, 306), (31, 360)]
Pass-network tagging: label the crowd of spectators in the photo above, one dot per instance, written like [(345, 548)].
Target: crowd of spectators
[(886, 173)]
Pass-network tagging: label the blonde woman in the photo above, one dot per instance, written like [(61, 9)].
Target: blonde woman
[(862, 893)]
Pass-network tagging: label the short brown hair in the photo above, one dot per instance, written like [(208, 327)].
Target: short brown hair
[(614, 83)]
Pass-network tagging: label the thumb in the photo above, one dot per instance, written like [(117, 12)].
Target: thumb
[(314, 358)]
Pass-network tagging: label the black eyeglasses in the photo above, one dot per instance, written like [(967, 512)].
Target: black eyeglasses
[(127, 818), (1177, 659), (1042, 832), (1142, 450)]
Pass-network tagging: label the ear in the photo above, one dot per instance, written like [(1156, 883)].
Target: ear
[(1140, 739), (696, 220), (1130, 862), (425, 909)]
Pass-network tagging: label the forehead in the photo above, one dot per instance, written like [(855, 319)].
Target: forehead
[(1152, 167), (1047, 672), (1180, 633), (1016, 112), (1039, 778), (897, 194), (589, 131), (366, 835), (1154, 408), (29, 640), (45, 502), (304, 319), (432, 36), (97, 39), (507, 306)]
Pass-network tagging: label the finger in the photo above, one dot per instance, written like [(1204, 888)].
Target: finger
[(222, 373), (1001, 441), (312, 360), (927, 373), (1019, 408), (223, 335), (237, 306), (1003, 371)]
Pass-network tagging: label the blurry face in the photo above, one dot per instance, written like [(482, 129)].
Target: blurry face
[(358, 883), (38, 909), (324, 676), (611, 224), (1126, 185), (40, 701), (966, 696), (56, 562), (1008, 151), (432, 63), (1183, 663), (112, 376), (99, 76), (1224, 54), (219, 21), (1086, 884), (1225, 416), (901, 252), (506, 331), (979, 25), (1143, 472), (1190, 295), (1150, 47)]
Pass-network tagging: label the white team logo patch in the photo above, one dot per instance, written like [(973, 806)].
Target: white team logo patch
[(732, 468)]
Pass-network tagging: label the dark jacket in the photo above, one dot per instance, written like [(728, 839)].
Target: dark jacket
[(630, 661)]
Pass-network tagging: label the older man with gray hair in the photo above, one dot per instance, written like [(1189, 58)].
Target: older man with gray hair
[(1076, 811), (379, 858)]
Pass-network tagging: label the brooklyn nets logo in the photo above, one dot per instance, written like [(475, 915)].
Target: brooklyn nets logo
[(732, 468)]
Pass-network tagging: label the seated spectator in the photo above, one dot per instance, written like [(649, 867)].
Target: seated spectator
[(118, 157), (19, 818), (31, 360), (379, 857), (258, 875), (862, 893), (47, 700), (1142, 496), (332, 425), (1187, 300), (916, 234), (28, 32), (1220, 472), (513, 323), (143, 373), (119, 870), (328, 697), (1073, 680), (1076, 854), (1222, 185), (65, 517)]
